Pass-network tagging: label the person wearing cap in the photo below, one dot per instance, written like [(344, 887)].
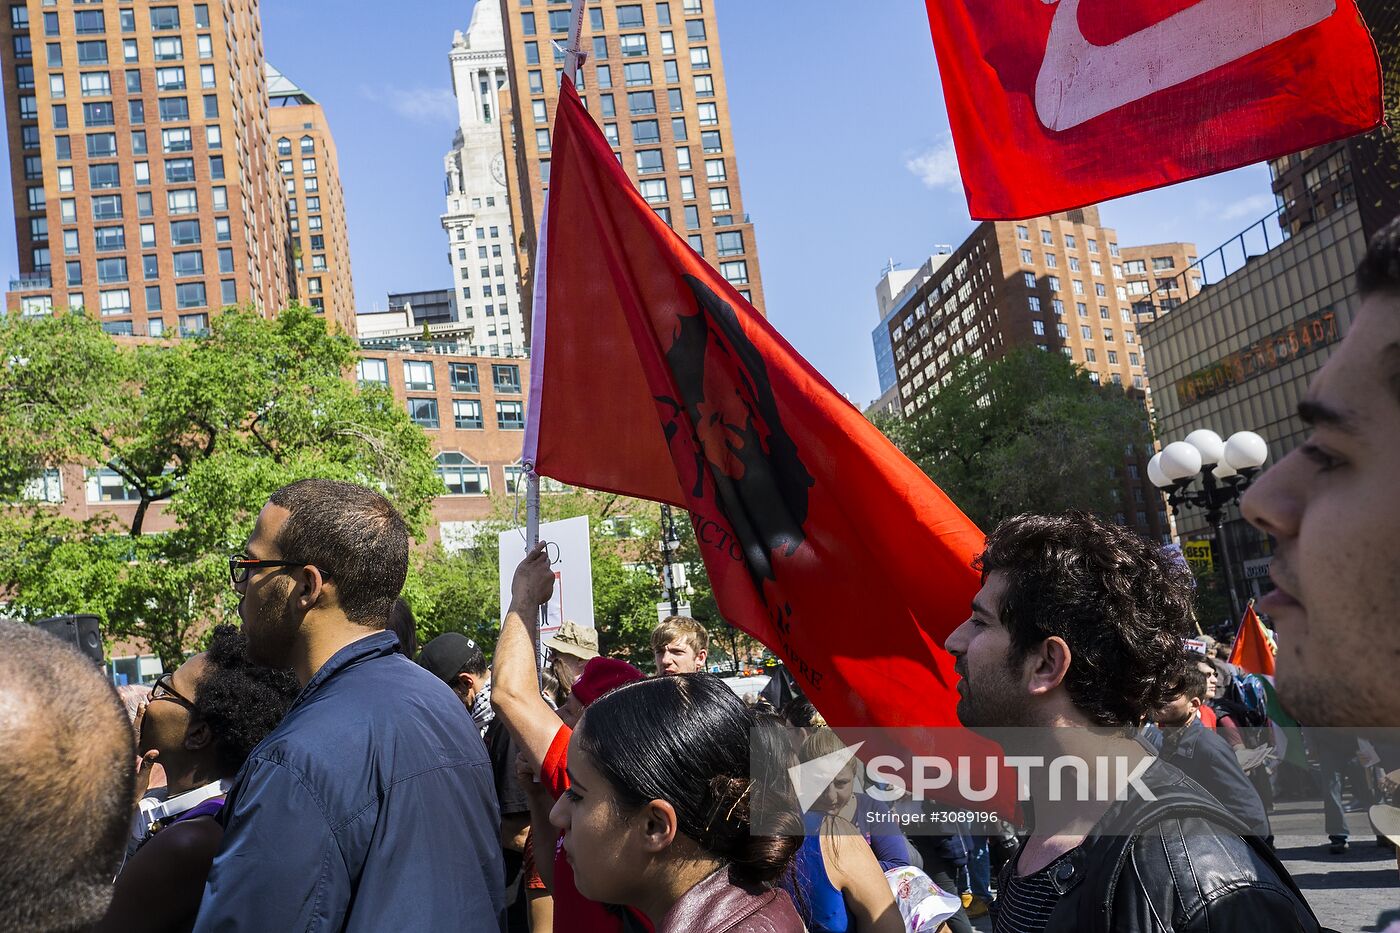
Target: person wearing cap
[(542, 735), (568, 650), (458, 661)]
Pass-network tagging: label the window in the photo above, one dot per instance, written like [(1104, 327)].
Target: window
[(634, 73), (109, 239), (308, 166), (505, 377), (1034, 304), (463, 377), (630, 17), (1135, 267), (372, 370), (1078, 286), (1058, 307), (1162, 263), (183, 232), (1029, 279), (700, 57), (542, 139), (641, 102), (704, 86), (646, 131), (164, 18), (223, 231), (228, 292), (1100, 290), (115, 301), (604, 73), (650, 160), (673, 73), (527, 24), (94, 84), (709, 114), (174, 109), (179, 171), (211, 106), (1038, 328), (633, 45), (1062, 331), (418, 376), (462, 475), (106, 207), (98, 114), (177, 140), (1090, 356), (168, 49), (112, 269), (188, 264), (710, 142), (423, 412), (194, 325), (129, 50), (466, 413), (184, 201), (1054, 282), (692, 218), (558, 20), (189, 295), (510, 415), (92, 53), (105, 485), (74, 270), (736, 273), (67, 207), (216, 167), (653, 190), (719, 199)]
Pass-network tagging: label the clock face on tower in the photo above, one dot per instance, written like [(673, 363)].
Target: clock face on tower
[(498, 169)]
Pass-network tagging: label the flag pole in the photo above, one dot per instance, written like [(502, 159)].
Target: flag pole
[(575, 55), (532, 538)]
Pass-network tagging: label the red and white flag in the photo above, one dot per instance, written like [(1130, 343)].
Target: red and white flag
[(1055, 104), (653, 377)]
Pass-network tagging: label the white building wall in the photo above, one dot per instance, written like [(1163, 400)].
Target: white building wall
[(477, 220)]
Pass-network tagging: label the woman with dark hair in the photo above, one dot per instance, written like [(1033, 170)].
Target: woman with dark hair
[(657, 814), (200, 724), (401, 623)]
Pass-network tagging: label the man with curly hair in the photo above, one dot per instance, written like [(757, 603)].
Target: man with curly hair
[(1075, 638), (1332, 507), (199, 723)]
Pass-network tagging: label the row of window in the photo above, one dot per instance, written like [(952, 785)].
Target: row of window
[(1052, 261), (420, 375), (179, 171), (110, 206), (95, 52), (466, 413), (629, 16), (463, 476), (1076, 285), (94, 22), (1047, 238)]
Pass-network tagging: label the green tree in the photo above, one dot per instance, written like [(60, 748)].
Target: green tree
[(1029, 432), (207, 427), (460, 591)]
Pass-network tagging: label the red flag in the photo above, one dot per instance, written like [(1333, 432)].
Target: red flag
[(652, 377), (1061, 103), (1254, 648)]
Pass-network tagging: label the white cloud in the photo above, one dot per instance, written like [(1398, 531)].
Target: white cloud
[(419, 104), (1250, 208), (937, 167)]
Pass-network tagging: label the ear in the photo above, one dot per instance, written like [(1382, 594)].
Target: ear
[(701, 655), (313, 588), (1048, 665), (464, 681), (658, 826), (198, 735)]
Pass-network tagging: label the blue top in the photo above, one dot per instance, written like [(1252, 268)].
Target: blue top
[(822, 907), (370, 807)]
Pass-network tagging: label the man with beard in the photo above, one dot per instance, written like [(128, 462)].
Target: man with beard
[(1075, 637), (1332, 507), (371, 805)]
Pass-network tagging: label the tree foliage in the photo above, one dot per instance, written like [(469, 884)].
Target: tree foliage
[(1029, 432), (460, 591), (207, 427)]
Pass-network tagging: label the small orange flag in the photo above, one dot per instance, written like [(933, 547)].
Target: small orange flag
[(1254, 648)]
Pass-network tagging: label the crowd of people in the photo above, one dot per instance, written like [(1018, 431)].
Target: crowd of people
[(313, 770)]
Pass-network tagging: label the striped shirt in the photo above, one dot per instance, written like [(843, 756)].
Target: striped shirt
[(1025, 902)]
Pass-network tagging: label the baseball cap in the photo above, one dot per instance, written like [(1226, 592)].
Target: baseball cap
[(579, 641), (601, 675), (445, 656)]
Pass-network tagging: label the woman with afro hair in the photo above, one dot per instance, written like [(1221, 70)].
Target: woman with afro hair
[(200, 724)]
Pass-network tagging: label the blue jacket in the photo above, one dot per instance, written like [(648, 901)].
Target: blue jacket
[(371, 807)]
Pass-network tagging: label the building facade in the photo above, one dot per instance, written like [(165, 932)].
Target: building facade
[(143, 178), (309, 170), (1056, 283), (480, 230), (654, 81), (1239, 356), (471, 406), (1159, 278)]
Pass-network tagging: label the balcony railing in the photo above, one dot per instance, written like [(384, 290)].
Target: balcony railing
[(33, 283), (444, 347)]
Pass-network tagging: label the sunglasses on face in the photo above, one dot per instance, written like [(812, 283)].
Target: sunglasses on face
[(241, 565), (163, 689)]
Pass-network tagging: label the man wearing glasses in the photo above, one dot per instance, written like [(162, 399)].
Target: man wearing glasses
[(372, 805)]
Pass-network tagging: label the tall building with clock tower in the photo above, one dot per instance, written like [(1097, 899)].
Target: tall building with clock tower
[(478, 217)]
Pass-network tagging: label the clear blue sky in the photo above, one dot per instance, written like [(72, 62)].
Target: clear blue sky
[(839, 126)]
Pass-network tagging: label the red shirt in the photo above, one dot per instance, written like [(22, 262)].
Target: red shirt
[(1207, 717), (583, 915)]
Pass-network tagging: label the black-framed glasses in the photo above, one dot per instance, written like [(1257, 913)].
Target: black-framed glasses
[(240, 565), (162, 690)]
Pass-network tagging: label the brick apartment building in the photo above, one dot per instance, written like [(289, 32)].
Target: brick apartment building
[(1057, 283), (654, 81)]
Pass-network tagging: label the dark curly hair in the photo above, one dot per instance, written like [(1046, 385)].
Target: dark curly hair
[(1379, 270), (240, 701), (1121, 605)]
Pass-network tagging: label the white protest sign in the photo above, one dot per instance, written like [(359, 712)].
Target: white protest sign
[(573, 571)]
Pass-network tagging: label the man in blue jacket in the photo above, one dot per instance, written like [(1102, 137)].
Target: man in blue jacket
[(371, 806)]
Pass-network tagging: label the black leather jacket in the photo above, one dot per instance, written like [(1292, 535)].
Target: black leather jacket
[(1179, 864)]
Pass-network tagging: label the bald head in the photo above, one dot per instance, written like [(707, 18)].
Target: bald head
[(66, 783)]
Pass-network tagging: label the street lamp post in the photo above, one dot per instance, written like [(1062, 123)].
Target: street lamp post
[(1225, 468)]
